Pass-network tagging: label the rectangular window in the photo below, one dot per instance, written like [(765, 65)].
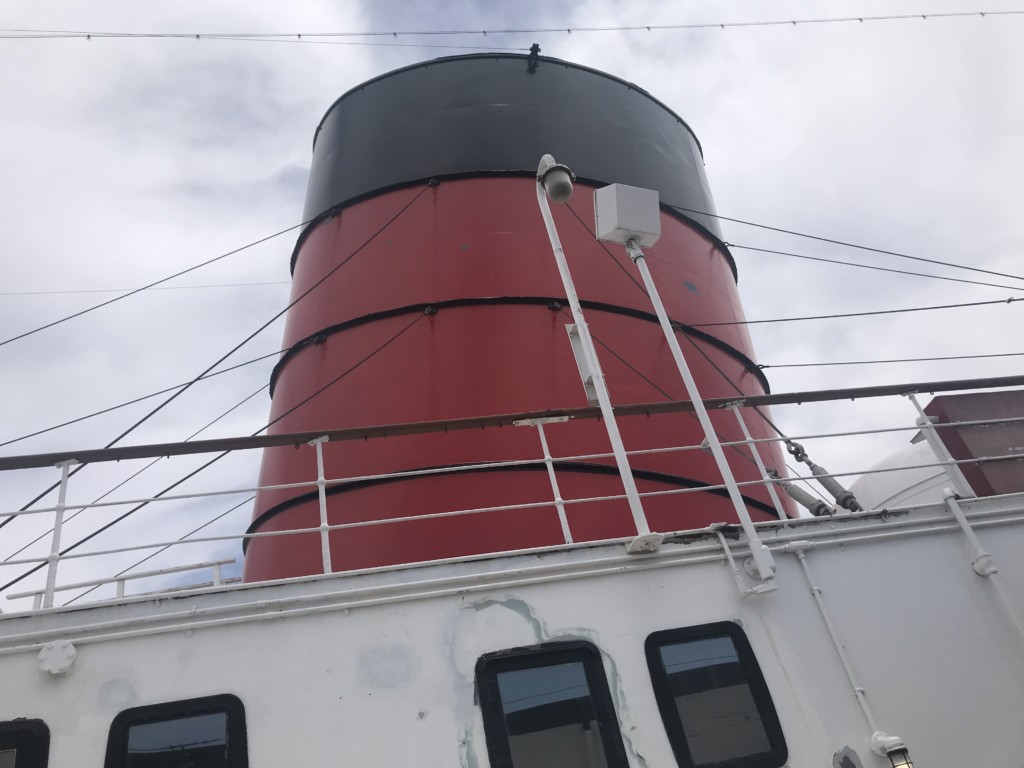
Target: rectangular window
[(713, 698), (24, 744), (548, 707), (199, 733)]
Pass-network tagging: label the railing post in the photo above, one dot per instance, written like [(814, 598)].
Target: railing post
[(58, 524), (768, 479), (321, 486), (216, 575), (956, 476), (549, 463)]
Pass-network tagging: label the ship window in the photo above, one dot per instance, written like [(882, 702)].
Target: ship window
[(24, 744), (548, 707), (199, 733), (713, 698)]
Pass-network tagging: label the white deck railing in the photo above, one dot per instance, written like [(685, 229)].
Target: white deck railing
[(44, 597)]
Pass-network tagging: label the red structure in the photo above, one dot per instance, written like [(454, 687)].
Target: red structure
[(431, 293)]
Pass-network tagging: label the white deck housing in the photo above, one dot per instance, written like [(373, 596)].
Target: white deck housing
[(377, 667)]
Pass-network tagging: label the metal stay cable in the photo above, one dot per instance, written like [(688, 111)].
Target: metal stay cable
[(565, 29), (221, 455), (131, 477), (895, 360), (138, 399), (844, 243), (840, 262), (839, 315), (146, 287), (244, 341)]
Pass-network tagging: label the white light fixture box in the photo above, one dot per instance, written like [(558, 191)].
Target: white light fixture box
[(625, 213)]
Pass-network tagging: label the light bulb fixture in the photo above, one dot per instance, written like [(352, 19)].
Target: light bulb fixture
[(556, 178), (884, 745)]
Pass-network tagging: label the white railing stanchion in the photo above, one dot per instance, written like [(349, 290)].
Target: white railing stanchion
[(321, 486), (768, 480), (549, 463), (58, 524), (953, 472)]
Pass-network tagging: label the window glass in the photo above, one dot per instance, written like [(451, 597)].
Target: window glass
[(24, 744), (196, 733), (549, 707), (200, 741), (713, 698)]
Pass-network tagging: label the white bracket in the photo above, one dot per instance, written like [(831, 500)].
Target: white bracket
[(583, 363)]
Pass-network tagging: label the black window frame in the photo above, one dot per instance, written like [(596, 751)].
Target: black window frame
[(30, 740), (490, 665), (778, 753), (231, 705)]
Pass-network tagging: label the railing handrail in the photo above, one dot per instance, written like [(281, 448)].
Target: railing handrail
[(91, 456), (127, 577)]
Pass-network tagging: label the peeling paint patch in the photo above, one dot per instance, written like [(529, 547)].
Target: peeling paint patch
[(518, 607), (846, 758)]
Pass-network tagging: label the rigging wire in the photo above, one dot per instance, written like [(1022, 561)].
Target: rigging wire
[(903, 360), (164, 548), (295, 38), (839, 315), (245, 341), (221, 455), (54, 33), (127, 290), (139, 399), (137, 473), (874, 267), (153, 284), (844, 243), (698, 325)]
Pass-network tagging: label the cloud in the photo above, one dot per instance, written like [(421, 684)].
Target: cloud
[(126, 160)]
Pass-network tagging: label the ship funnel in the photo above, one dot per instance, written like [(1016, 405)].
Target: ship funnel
[(425, 291)]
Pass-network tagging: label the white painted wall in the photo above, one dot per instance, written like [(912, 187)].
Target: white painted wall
[(373, 670)]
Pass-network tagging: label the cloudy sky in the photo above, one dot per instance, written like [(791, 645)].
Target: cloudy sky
[(125, 160)]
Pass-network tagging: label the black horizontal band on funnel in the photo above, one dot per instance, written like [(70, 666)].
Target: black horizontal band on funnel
[(500, 112), (672, 210), (539, 466), (545, 301)]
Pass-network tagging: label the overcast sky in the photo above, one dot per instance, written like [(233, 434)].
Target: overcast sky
[(123, 161)]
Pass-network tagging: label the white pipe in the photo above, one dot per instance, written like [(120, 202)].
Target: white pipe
[(798, 550), (321, 486), (600, 386), (983, 564), (763, 561)]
